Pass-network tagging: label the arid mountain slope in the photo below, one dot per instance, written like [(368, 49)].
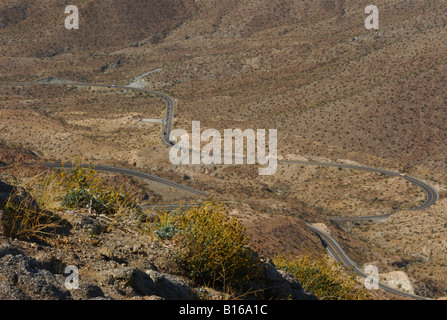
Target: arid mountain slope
[(334, 90), (36, 28)]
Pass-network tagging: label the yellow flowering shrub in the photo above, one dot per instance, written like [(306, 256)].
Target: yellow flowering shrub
[(325, 279), (212, 246)]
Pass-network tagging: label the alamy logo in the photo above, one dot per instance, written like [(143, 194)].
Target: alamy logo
[(372, 21), (72, 280), (188, 149), (72, 21), (372, 279)]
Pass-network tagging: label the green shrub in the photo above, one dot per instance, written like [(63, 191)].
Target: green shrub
[(76, 198), (85, 189), (166, 232)]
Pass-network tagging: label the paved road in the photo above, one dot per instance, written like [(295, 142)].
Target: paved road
[(431, 194), (133, 173), (336, 251), (332, 245), (362, 218)]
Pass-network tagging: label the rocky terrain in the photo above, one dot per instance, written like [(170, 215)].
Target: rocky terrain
[(113, 263)]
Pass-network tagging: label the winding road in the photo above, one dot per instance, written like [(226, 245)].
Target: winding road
[(331, 244), (133, 173), (336, 251)]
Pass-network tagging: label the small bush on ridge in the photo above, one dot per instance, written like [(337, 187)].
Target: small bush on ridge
[(324, 279), (23, 220), (212, 246)]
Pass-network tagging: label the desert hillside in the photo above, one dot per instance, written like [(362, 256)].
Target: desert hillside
[(33, 28), (335, 91)]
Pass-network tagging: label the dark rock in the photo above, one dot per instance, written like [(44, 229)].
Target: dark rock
[(282, 285), (170, 287), (8, 249), (133, 282), (128, 281), (9, 292), (5, 190), (5, 223), (24, 277), (87, 291), (51, 262), (94, 226), (19, 196)]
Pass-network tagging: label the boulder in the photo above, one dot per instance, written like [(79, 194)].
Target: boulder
[(5, 190), (134, 282), (281, 285), (20, 196), (23, 277), (170, 287), (127, 281)]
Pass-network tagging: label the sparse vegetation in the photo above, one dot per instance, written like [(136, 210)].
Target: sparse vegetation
[(84, 189), (24, 219), (332, 89), (323, 278), (211, 245)]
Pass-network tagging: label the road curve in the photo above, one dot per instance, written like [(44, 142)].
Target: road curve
[(133, 173), (431, 194), (331, 244), (336, 251)]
